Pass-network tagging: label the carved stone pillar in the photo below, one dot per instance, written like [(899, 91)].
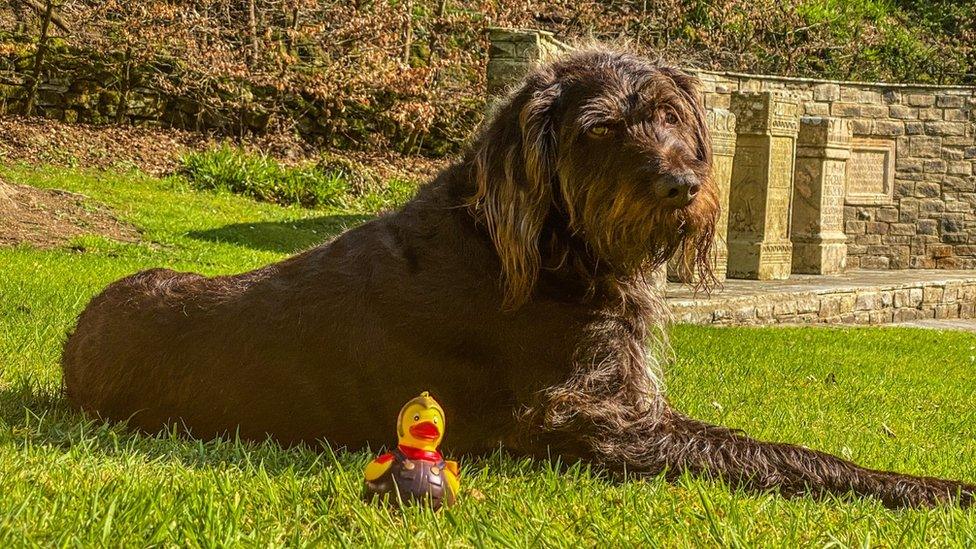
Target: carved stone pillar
[(721, 126), (822, 150), (659, 279), (762, 185), (513, 51)]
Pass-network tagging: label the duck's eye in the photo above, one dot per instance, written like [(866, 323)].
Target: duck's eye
[(435, 421), (416, 417), (598, 131)]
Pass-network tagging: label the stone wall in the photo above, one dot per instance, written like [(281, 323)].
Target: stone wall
[(910, 199), (874, 302), (903, 177), (77, 86)]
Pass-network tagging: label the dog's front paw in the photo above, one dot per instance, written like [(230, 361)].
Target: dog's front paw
[(931, 492)]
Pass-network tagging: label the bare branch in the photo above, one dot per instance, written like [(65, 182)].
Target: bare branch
[(40, 9)]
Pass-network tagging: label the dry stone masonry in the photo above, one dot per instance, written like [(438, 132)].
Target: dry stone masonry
[(825, 176), (870, 297), (511, 51)]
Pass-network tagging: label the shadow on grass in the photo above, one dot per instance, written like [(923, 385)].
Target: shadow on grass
[(282, 236), (34, 415)]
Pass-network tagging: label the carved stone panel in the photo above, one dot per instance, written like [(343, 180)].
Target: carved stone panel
[(722, 125), (760, 199), (822, 151), (780, 189), (871, 172), (766, 113), (748, 196)]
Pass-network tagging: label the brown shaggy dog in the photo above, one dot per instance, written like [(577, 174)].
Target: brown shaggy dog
[(513, 288)]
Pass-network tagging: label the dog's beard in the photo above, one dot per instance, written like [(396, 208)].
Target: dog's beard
[(628, 231)]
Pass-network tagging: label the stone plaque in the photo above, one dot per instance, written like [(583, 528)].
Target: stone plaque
[(748, 200), (871, 172), (780, 187)]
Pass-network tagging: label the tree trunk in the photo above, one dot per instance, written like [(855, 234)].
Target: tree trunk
[(39, 59), (291, 31), (123, 107), (408, 34), (253, 23), (40, 9)]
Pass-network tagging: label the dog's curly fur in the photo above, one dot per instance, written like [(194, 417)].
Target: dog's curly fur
[(514, 288)]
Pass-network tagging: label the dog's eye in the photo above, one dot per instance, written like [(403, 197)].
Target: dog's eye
[(598, 131), (670, 117)]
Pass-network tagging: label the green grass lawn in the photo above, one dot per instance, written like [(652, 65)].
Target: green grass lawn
[(888, 398)]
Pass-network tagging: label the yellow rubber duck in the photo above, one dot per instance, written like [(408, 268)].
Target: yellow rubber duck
[(415, 470)]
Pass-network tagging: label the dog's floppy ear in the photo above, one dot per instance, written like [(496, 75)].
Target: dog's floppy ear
[(515, 168), (690, 88)]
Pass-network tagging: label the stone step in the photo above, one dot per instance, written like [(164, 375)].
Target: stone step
[(944, 325), (855, 297)]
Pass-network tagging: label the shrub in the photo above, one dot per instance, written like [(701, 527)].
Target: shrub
[(334, 181), (262, 177), (410, 76), (360, 178), (393, 194)]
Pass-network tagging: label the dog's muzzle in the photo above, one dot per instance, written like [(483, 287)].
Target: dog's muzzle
[(677, 191)]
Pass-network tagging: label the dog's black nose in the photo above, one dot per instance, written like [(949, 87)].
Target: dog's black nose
[(677, 190)]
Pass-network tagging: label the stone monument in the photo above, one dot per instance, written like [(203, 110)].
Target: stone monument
[(822, 150), (513, 52), (762, 185)]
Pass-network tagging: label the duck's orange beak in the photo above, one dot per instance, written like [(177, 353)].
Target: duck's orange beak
[(425, 430)]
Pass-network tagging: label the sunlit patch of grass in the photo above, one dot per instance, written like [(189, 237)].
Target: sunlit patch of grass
[(892, 398)]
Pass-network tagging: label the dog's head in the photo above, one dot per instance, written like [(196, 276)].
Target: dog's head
[(602, 148)]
